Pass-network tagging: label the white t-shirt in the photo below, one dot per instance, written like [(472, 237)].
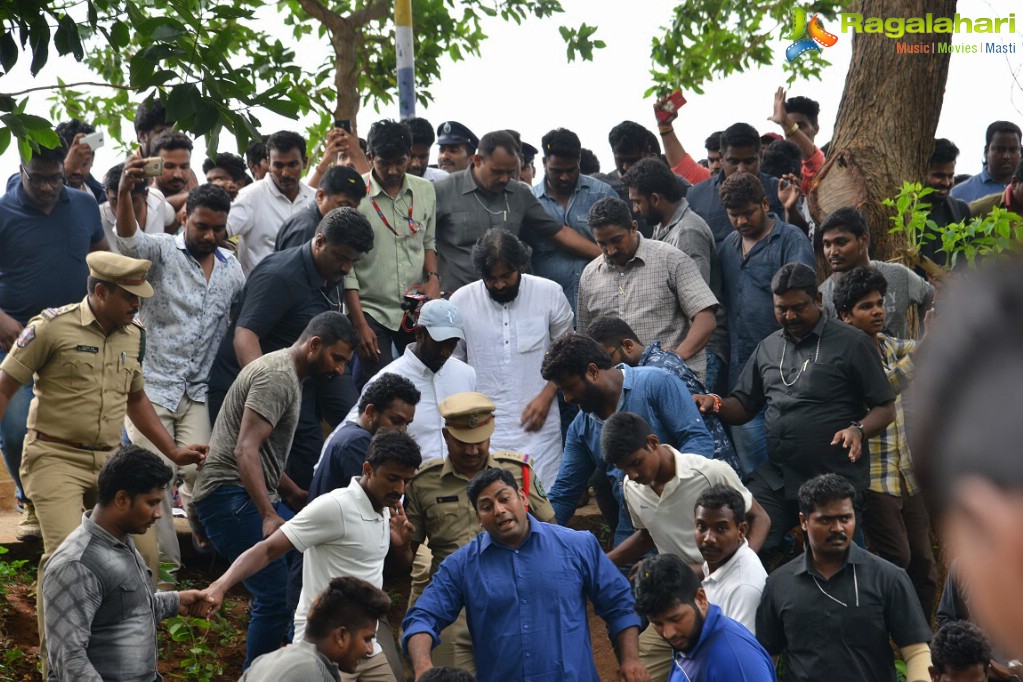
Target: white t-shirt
[(454, 377), (256, 216), (159, 216), (670, 517), (506, 344), (339, 534), (737, 586)]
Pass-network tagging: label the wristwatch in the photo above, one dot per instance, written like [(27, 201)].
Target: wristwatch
[(433, 274), (858, 425)]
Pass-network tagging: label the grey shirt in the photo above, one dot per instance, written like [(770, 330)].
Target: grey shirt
[(690, 234), (465, 212), (100, 609), (297, 662), (905, 289), (270, 387)]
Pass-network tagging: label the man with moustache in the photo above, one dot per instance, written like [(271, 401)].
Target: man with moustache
[(101, 612), (428, 364), (484, 196), (456, 145), (438, 506), (195, 283), (86, 359), (262, 207), (175, 149), (239, 495), (402, 209), (833, 611), (422, 141), (516, 318), (524, 585), (825, 392), (1001, 154), (283, 293), (350, 532)]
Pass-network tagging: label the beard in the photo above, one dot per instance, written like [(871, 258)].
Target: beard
[(506, 296)]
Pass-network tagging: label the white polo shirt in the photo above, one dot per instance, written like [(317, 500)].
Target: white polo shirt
[(670, 517), (256, 216), (339, 534), (737, 586)]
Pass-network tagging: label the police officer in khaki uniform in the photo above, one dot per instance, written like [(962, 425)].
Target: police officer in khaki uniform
[(87, 362), (438, 506)]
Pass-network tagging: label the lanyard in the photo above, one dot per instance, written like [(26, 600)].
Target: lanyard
[(411, 205)]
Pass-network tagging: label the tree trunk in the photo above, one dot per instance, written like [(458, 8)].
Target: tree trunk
[(884, 133), (346, 72)]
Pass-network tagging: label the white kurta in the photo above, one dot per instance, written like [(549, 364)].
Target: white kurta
[(506, 344)]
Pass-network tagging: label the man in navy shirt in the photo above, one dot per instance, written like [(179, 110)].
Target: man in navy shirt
[(740, 151), (45, 229), (584, 373), (709, 646), (524, 585)]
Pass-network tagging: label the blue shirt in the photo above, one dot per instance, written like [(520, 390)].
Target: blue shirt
[(746, 285), (342, 458), (725, 652), (704, 199), (526, 606), (42, 257), (652, 393), (980, 185), (552, 262), (655, 356)]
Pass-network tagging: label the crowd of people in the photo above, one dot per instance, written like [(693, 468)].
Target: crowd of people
[(365, 364)]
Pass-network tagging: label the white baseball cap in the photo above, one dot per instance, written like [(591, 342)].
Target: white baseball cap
[(442, 320)]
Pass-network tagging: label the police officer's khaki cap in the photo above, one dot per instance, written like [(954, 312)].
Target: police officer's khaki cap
[(469, 417), (127, 273)]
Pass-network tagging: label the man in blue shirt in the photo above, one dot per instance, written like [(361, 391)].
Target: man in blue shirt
[(750, 255), (740, 151), (524, 585), (624, 346), (709, 646), (1001, 154), (567, 196), (584, 373), (45, 229)]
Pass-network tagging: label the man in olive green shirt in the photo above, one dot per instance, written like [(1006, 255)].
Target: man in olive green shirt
[(402, 210)]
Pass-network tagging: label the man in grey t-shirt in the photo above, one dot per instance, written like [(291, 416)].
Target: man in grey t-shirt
[(238, 494), (845, 241)]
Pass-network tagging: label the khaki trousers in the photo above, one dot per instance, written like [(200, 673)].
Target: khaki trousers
[(655, 654), (188, 423), (455, 648)]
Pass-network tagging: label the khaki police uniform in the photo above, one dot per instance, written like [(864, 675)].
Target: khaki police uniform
[(437, 504), (82, 380)]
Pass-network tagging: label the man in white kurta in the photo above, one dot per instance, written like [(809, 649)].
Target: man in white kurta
[(511, 319)]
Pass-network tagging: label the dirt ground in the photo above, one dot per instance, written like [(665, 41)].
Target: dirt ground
[(220, 650)]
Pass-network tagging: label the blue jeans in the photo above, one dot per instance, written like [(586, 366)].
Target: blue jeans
[(750, 441), (12, 432), (234, 525), (715, 374)]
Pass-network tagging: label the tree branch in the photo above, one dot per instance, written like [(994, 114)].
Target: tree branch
[(376, 9), (317, 10), (68, 85)]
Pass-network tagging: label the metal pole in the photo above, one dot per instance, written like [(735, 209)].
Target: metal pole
[(406, 58)]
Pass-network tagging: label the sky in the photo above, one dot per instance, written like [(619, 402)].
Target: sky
[(523, 80)]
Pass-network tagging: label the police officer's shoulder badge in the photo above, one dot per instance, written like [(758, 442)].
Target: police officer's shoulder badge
[(27, 335), (51, 313)]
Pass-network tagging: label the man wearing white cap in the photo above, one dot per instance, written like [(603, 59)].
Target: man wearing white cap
[(428, 364)]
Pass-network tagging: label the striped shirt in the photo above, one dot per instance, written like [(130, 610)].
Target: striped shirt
[(891, 464), (657, 293)]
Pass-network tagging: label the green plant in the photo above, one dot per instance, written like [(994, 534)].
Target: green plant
[(12, 571), (998, 232), (202, 663)]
